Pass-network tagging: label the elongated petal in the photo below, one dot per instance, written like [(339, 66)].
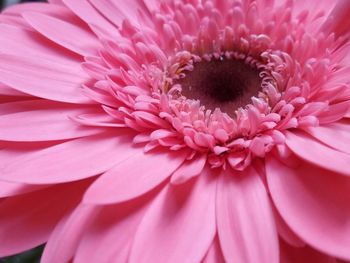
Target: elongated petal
[(317, 153), (89, 14), (116, 12), (65, 238), (32, 44), (290, 254), (27, 220), (43, 78), (69, 161), (113, 221), (335, 135), (11, 189), (173, 222), (134, 177), (189, 169), (51, 123), (66, 34), (285, 232), (314, 203), (245, 220), (214, 254)]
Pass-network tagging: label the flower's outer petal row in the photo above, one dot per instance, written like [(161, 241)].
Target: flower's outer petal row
[(318, 153), (314, 203), (25, 221), (214, 254), (338, 20), (116, 12), (284, 230), (70, 229), (290, 254), (122, 221), (8, 189), (335, 135), (33, 44), (245, 220), (63, 162), (115, 185), (46, 79), (49, 121), (187, 215), (91, 16), (65, 34)]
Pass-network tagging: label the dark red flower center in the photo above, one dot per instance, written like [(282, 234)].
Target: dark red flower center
[(221, 83)]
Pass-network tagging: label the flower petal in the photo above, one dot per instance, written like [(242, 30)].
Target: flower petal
[(46, 79), (304, 146), (27, 220), (173, 222), (285, 232), (51, 123), (314, 203), (32, 44), (69, 161), (189, 169), (245, 220), (90, 15), (113, 221), (335, 135), (291, 254), (214, 254), (65, 238), (117, 13), (152, 168), (11, 189), (65, 34)]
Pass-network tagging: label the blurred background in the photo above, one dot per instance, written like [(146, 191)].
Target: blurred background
[(4, 3)]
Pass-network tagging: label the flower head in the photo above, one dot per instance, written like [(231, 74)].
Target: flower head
[(176, 131)]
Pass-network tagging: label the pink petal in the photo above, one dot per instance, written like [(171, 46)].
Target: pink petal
[(285, 232), (144, 170), (65, 34), (69, 161), (32, 44), (11, 189), (245, 221), (214, 254), (65, 238), (90, 15), (338, 20), (291, 254), (46, 79), (189, 169), (113, 221), (51, 123), (314, 203), (6, 91), (335, 135), (117, 13), (180, 217), (304, 146), (27, 220)]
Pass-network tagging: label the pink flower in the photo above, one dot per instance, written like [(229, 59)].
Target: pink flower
[(176, 131)]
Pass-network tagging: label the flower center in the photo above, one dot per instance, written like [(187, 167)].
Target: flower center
[(222, 83)]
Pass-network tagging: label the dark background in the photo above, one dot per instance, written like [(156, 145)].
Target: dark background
[(4, 3)]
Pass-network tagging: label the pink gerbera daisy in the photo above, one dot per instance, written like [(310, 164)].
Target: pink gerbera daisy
[(176, 131)]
